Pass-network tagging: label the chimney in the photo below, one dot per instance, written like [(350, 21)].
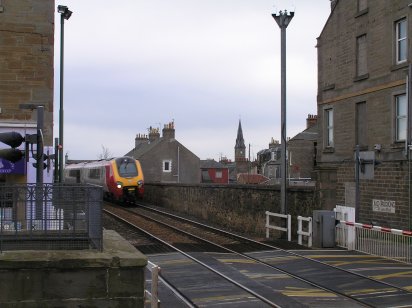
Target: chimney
[(311, 120), (333, 4), (273, 143), (140, 139), (153, 134), (169, 131)]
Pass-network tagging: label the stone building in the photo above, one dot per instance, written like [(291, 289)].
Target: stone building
[(364, 52), (26, 69), (302, 151), (164, 159)]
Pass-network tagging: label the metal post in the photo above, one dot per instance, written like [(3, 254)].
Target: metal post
[(283, 20), (65, 13), (61, 98), (39, 150), (56, 160), (357, 183)]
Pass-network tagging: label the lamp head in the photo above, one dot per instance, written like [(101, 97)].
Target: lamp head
[(64, 11)]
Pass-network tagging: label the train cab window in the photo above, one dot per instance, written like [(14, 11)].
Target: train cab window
[(127, 167)]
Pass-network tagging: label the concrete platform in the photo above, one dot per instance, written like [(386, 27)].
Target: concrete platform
[(74, 278)]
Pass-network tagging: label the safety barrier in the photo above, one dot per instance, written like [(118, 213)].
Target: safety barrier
[(268, 226), (384, 242), (307, 233), (50, 216), (153, 295)]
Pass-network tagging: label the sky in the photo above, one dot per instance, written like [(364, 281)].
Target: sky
[(204, 64)]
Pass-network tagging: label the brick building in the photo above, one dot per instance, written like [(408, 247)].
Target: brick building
[(26, 69), (364, 52)]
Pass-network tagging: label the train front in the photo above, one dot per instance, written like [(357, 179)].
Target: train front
[(129, 178)]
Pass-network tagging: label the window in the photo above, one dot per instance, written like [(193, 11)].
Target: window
[(94, 173), (362, 5), (401, 117), (361, 124), (361, 56), (329, 128), (167, 166), (218, 174), (401, 41)]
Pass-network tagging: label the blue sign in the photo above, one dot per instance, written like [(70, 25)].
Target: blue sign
[(7, 167)]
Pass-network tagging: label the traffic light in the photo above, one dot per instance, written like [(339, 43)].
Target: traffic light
[(12, 139), (46, 161)]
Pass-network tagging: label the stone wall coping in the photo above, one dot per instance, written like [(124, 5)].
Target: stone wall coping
[(117, 252), (234, 186)]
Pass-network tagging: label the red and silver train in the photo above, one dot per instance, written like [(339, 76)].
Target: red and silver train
[(121, 178)]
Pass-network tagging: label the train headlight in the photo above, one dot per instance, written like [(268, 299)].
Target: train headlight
[(140, 183), (119, 185)]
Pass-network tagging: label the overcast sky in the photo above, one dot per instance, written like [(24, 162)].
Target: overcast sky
[(204, 64)]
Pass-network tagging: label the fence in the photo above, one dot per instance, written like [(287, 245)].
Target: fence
[(288, 228), (153, 296), (301, 233), (50, 216), (384, 242)]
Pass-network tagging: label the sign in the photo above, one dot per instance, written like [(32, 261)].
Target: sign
[(7, 167), (385, 206)]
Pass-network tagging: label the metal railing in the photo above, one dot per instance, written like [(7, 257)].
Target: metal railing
[(50, 216), (384, 242)]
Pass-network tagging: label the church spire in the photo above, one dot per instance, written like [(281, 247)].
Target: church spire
[(240, 144)]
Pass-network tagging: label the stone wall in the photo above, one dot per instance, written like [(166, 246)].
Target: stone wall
[(240, 208), (27, 55)]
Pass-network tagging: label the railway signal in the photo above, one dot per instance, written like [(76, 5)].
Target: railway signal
[(12, 139)]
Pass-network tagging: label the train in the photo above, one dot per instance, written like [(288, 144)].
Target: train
[(121, 177)]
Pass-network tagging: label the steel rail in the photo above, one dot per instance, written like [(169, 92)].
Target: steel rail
[(272, 247), (252, 258), (262, 298)]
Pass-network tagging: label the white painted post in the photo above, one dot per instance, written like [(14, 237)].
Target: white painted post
[(300, 230), (267, 224), (289, 228)]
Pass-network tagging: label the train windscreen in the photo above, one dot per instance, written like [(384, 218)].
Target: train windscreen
[(126, 167)]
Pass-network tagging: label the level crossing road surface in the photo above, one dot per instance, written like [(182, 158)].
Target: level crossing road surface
[(389, 271), (284, 290)]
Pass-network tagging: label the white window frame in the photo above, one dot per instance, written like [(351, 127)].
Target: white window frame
[(219, 174), (167, 163), (329, 140), (401, 42), (401, 118)]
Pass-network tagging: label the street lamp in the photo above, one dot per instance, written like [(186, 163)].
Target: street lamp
[(283, 19), (65, 13)]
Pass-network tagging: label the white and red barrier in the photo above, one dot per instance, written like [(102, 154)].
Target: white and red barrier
[(385, 242), (376, 228)]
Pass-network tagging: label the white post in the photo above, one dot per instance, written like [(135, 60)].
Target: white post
[(267, 224), (289, 228), (300, 230)]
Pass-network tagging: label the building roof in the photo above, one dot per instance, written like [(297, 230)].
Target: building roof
[(211, 163), (245, 178), (240, 142), (310, 133)]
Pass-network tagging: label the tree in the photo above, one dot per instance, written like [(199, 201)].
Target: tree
[(105, 153)]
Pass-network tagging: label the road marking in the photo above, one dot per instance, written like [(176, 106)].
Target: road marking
[(304, 292), (407, 274)]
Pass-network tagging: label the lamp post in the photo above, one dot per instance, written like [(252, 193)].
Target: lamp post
[(283, 19), (65, 13)]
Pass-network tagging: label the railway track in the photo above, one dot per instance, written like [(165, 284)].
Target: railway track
[(205, 245)]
